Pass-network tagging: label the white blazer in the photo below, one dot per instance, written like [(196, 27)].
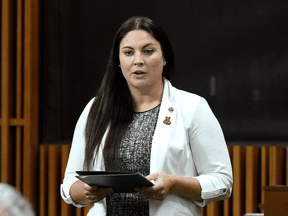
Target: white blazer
[(193, 145)]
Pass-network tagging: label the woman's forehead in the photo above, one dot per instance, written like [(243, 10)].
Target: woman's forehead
[(138, 38)]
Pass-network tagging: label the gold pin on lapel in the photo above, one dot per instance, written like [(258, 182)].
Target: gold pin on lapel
[(167, 120)]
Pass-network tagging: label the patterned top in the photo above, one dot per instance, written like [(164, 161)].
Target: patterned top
[(135, 150)]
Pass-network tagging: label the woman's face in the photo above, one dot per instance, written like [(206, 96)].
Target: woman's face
[(141, 59)]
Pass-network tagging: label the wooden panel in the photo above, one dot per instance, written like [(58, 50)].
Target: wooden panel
[(16, 122), (31, 70), (86, 209), (66, 209), (203, 209), (214, 209), (286, 166), (19, 157), (44, 175), (264, 170), (7, 36), (252, 179), (79, 211), (54, 182), (276, 166), (227, 204), (239, 180), (19, 60)]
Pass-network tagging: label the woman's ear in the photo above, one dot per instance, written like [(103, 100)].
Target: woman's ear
[(164, 60)]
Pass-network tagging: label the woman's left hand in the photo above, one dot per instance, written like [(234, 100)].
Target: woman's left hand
[(163, 184)]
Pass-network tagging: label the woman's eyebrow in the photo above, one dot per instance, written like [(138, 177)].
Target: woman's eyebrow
[(127, 47), (149, 45)]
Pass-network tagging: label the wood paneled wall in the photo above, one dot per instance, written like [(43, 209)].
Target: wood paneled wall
[(19, 95), (253, 168)]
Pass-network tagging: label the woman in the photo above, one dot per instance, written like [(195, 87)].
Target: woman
[(139, 122)]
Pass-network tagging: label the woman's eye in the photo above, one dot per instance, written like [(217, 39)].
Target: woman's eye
[(148, 52), (128, 53)]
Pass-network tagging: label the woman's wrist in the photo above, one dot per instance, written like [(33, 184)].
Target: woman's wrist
[(173, 182), (185, 186)]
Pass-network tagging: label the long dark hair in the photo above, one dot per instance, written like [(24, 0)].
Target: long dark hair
[(113, 105)]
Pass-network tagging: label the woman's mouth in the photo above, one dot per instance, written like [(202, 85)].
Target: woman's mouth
[(139, 72)]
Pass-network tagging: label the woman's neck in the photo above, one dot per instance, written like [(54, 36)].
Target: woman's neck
[(147, 97)]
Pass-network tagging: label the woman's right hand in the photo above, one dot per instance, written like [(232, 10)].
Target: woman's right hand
[(95, 194), (83, 193)]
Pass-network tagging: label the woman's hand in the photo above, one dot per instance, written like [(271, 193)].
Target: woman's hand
[(94, 194), (85, 194), (163, 184)]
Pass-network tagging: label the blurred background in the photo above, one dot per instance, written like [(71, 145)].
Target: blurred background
[(53, 57), (233, 53)]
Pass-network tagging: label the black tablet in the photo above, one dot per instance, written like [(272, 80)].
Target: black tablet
[(121, 182)]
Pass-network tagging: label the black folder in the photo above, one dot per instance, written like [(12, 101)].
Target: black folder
[(121, 182)]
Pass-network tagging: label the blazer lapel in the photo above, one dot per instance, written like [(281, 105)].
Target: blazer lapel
[(164, 127)]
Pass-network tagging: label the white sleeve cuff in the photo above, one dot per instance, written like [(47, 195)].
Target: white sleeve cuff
[(210, 193)]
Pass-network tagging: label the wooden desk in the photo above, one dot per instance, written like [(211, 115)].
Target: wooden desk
[(276, 201)]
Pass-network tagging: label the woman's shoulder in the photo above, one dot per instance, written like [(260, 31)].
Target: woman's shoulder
[(89, 105), (194, 108), (182, 96), (86, 110)]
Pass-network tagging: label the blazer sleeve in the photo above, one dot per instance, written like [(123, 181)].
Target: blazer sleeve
[(76, 157), (210, 155)]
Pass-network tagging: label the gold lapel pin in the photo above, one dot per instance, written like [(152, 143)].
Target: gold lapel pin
[(167, 120)]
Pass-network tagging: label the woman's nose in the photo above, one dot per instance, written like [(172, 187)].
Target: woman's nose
[(138, 59)]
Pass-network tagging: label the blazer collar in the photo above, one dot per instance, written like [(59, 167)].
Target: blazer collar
[(168, 96)]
